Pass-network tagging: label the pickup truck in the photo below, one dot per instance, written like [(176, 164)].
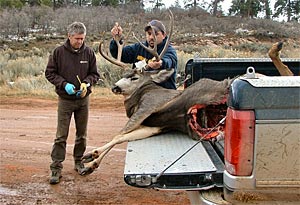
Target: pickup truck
[(258, 161)]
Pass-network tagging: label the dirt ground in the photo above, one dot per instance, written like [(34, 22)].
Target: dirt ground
[(28, 129)]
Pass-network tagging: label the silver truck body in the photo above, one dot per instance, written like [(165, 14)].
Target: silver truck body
[(276, 169), (275, 178)]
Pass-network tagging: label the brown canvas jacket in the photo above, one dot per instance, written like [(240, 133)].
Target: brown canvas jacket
[(65, 64)]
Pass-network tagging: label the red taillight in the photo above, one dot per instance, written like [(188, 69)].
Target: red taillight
[(239, 142)]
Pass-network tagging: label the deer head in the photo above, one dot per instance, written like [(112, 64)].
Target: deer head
[(135, 78)]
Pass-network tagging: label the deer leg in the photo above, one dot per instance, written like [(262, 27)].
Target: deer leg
[(93, 159), (91, 166), (274, 55)]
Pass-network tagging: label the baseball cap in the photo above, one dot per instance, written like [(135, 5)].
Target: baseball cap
[(157, 25)]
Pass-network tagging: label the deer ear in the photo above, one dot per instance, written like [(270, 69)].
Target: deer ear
[(162, 75)]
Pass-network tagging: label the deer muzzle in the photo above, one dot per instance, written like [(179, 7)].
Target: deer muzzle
[(116, 89)]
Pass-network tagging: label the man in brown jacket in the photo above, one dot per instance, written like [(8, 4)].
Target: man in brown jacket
[(72, 69)]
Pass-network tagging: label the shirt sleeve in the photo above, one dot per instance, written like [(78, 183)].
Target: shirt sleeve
[(51, 72), (170, 59)]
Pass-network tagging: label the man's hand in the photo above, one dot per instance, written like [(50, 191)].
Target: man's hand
[(70, 89), (116, 32), (83, 89), (155, 64)]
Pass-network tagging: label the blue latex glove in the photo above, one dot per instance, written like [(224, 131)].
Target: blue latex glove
[(70, 89)]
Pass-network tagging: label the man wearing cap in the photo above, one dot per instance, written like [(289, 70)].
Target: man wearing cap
[(135, 52)]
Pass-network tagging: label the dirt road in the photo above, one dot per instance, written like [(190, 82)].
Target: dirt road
[(27, 131)]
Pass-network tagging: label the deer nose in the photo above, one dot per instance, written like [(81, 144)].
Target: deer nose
[(116, 89)]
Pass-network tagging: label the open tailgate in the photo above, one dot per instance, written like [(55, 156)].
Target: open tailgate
[(200, 168)]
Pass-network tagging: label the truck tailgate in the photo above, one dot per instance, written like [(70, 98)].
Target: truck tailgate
[(200, 168)]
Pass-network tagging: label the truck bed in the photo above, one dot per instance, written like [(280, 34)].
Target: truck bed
[(203, 167), (147, 158)]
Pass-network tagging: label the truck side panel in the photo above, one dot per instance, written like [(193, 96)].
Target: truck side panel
[(276, 173), (277, 147)]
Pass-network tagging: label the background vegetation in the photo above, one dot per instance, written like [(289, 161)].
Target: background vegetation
[(243, 8), (29, 33)]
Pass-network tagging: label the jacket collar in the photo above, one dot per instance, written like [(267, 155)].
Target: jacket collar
[(68, 46)]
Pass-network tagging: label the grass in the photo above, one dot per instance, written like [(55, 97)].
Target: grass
[(23, 75)]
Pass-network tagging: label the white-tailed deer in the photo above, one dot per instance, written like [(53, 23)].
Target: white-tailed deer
[(152, 109)]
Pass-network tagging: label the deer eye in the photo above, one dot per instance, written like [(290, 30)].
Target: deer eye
[(134, 78)]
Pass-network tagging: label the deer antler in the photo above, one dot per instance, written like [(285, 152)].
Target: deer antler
[(105, 54), (153, 51), (117, 61)]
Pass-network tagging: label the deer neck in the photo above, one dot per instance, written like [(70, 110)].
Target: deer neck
[(133, 101)]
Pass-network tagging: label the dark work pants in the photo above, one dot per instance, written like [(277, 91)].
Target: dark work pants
[(66, 108)]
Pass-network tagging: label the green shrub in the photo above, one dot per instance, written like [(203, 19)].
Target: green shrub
[(23, 67), (22, 72)]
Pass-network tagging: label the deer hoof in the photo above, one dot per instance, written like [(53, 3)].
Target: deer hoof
[(89, 157), (89, 169), (86, 171), (279, 46), (275, 49)]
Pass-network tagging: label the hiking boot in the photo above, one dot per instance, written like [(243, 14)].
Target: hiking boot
[(79, 167), (55, 176)]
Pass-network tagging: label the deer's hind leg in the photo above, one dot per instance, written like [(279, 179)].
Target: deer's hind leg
[(274, 54), (93, 159)]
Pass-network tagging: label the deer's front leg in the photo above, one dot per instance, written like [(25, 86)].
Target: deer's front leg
[(90, 156), (90, 166), (93, 159)]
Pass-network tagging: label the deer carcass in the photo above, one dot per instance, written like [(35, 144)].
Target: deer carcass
[(152, 109)]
